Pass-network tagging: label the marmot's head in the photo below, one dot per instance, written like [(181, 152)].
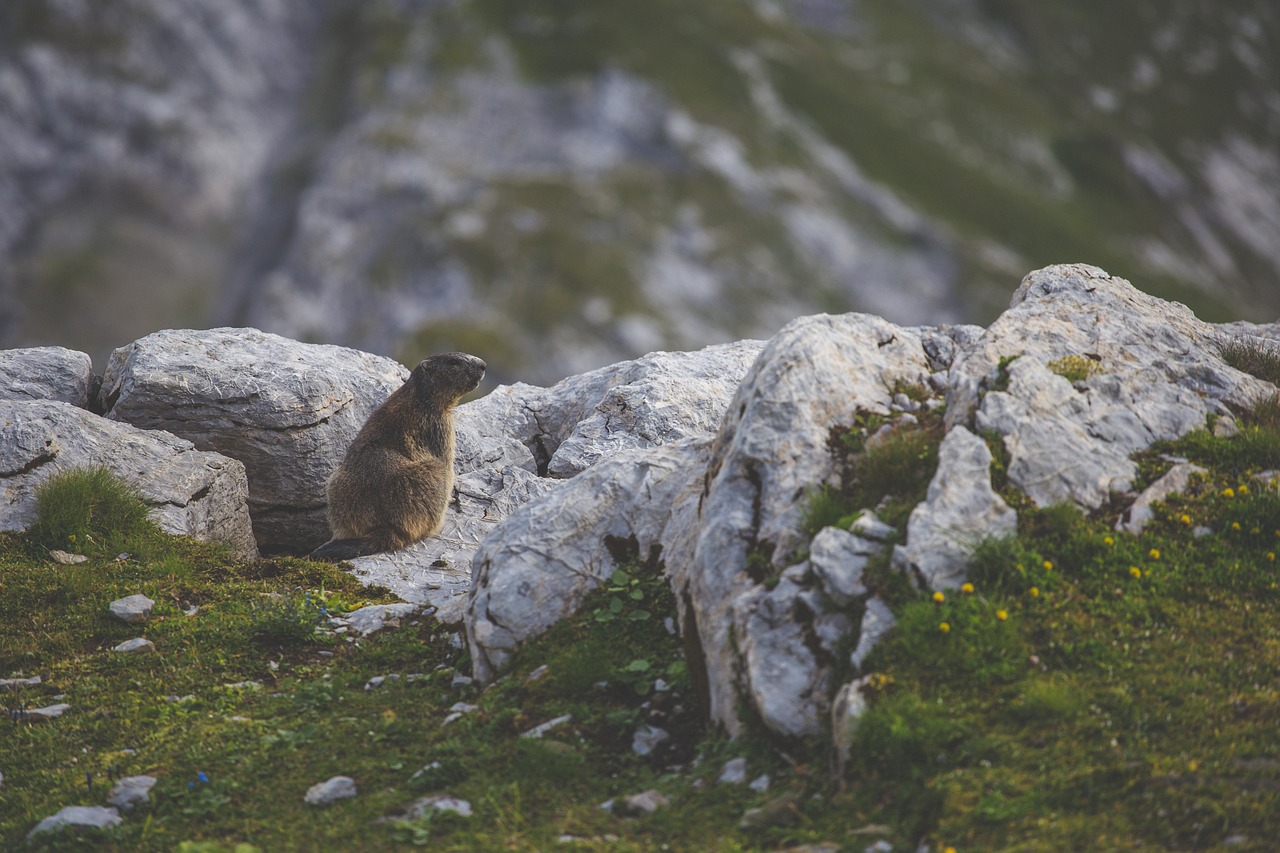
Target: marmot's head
[(442, 379)]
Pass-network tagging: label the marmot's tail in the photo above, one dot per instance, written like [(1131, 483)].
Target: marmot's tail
[(336, 550)]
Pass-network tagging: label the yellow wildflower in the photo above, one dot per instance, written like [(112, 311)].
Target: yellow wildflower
[(1185, 519), (1048, 566), (1242, 490), (1108, 541), (1235, 525), (1271, 555), (944, 627), (1034, 591), (1154, 553), (1002, 615), (967, 589), (938, 597), (1228, 492), (1135, 571)]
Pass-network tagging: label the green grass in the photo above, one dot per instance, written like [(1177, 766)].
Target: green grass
[(90, 511), (1253, 356)]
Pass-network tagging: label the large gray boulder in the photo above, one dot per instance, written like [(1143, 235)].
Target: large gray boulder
[(285, 409), (46, 373), (191, 492), (1159, 374)]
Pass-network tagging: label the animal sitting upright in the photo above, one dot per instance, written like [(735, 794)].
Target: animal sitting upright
[(397, 477)]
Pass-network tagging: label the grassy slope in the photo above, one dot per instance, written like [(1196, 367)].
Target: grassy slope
[(1128, 702)]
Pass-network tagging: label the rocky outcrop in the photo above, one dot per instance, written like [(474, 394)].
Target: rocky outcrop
[(191, 492), (284, 409), (1079, 374)]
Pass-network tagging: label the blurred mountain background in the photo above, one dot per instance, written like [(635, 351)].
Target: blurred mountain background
[(557, 184)]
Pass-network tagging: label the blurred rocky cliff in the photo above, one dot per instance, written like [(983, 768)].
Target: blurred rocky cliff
[(559, 184)]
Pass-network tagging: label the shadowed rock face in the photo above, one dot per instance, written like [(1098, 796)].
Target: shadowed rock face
[(572, 185)]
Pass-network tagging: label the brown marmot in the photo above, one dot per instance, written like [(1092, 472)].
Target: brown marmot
[(397, 477)]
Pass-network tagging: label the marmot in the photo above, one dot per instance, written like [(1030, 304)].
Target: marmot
[(397, 477)]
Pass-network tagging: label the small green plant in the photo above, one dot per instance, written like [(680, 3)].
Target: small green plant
[(1075, 368), (288, 619), (624, 595), (90, 511), (1252, 356)]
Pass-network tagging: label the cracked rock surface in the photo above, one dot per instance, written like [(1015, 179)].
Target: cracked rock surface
[(46, 373), (190, 491), (285, 409)]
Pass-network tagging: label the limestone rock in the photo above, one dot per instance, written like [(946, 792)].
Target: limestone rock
[(330, 791), (46, 373), (1175, 481), (658, 399), (538, 564), (642, 804), (375, 617), (191, 492), (131, 791), (138, 645), (50, 712), (876, 622), (959, 510), (133, 609), (437, 571), (285, 409), (838, 558), (770, 451), (1160, 376), (78, 818)]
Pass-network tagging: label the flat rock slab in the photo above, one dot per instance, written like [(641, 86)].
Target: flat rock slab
[(138, 645), (46, 373), (191, 492), (286, 410), (131, 791)]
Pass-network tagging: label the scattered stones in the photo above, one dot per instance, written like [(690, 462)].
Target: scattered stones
[(458, 710), (17, 683), (869, 526), (78, 818), (761, 783), (434, 804), (375, 617), (131, 791), (330, 791), (67, 559), (133, 609), (734, 772), (379, 680), (648, 738), (138, 645), (40, 715), (638, 805), (543, 728)]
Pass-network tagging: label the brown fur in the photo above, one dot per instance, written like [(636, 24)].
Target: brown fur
[(397, 477)]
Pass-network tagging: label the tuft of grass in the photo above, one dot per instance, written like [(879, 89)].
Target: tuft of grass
[(90, 511), (1253, 356), (1075, 368)]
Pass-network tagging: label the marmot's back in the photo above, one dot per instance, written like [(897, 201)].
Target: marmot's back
[(395, 481)]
